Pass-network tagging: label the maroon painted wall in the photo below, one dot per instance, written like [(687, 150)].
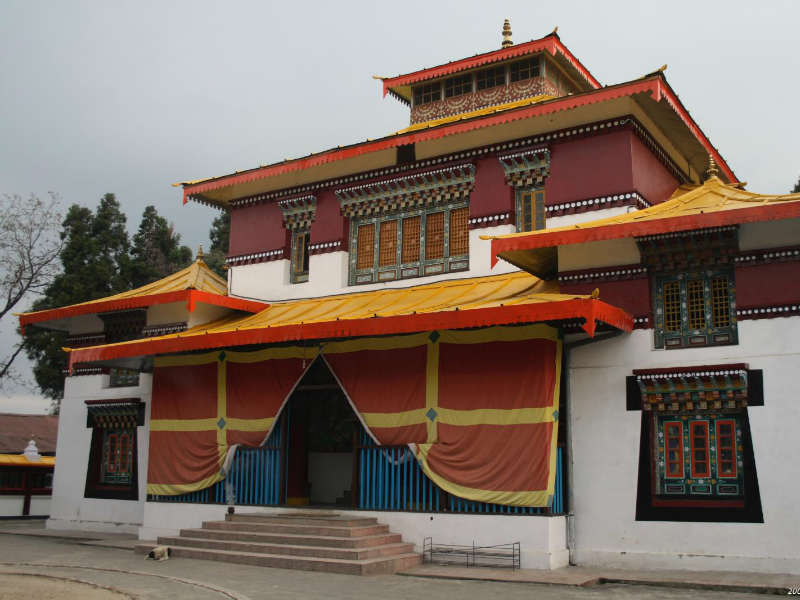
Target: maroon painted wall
[(329, 224), (590, 167), (631, 295), (256, 228), (650, 178), (491, 194), (767, 285)]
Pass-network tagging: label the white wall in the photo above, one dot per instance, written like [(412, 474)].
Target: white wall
[(605, 458), (328, 273), (11, 506), (542, 538), (69, 509)]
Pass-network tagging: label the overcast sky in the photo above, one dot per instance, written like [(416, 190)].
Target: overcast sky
[(130, 97)]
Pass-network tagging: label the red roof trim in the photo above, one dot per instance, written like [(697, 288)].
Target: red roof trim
[(590, 309), (191, 297), (651, 85), (755, 214), (550, 43)]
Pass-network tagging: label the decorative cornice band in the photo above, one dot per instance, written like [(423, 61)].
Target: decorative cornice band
[(767, 312), (255, 257), (489, 221), (768, 255), (298, 212), (589, 129), (527, 168), (87, 339), (323, 247), (683, 234), (165, 329), (603, 274), (427, 188), (598, 203)]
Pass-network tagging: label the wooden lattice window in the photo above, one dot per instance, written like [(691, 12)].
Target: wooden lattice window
[(720, 302), (698, 436), (458, 86), (366, 247), (489, 78), (673, 449), (672, 306), (299, 257), (530, 210), (411, 246), (387, 254), (695, 304), (726, 449), (427, 93), (434, 236), (403, 245), (524, 69), (698, 455), (459, 231), (695, 309)]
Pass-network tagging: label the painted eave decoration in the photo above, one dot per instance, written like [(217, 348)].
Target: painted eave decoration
[(652, 93), (455, 304), (712, 204), (193, 284), (400, 86)]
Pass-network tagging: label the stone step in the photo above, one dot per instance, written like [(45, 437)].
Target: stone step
[(315, 530), (329, 519), (285, 549), (371, 566), (366, 541)]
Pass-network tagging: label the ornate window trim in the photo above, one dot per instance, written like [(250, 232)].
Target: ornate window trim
[(530, 209), (112, 472), (379, 270), (694, 405)]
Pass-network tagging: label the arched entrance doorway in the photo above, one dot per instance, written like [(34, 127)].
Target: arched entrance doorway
[(322, 435)]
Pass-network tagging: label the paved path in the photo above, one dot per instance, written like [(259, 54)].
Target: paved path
[(114, 568)]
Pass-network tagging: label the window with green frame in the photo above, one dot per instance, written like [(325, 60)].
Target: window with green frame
[(695, 308), (698, 456), (298, 272), (530, 209), (409, 244)]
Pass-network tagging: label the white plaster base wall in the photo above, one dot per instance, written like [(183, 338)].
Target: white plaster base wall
[(40, 505), (328, 273), (605, 460), (69, 509), (542, 539), (11, 506)]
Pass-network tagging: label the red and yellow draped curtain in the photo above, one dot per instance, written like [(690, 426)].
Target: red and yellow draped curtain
[(479, 408)]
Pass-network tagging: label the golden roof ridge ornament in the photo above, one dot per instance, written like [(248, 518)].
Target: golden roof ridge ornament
[(199, 255), (712, 170), (506, 34)]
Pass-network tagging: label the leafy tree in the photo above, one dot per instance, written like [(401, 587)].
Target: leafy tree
[(796, 189), (220, 239), (29, 247), (156, 250), (94, 263)]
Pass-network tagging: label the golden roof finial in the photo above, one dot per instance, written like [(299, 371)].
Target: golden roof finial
[(712, 170), (506, 35), (199, 253)]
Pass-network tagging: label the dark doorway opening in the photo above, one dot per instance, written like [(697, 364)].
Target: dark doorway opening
[(323, 430)]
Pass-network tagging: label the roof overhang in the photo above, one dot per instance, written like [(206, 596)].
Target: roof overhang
[(650, 96), (537, 253), (400, 86), (190, 297), (590, 310)]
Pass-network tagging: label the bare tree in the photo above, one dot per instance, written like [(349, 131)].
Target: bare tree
[(29, 246)]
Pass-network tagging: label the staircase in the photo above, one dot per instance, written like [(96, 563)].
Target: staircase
[(309, 541)]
